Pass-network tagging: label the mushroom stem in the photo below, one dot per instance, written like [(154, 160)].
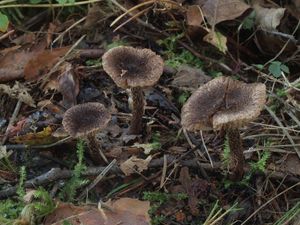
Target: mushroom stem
[(236, 150), (137, 111), (95, 150)]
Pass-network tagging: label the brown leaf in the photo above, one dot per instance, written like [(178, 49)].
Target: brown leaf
[(194, 16), (189, 78), (217, 11), (42, 62), (134, 164), (12, 65), (291, 165), (125, 211)]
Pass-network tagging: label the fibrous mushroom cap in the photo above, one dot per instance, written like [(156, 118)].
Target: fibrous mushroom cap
[(223, 103), (131, 67), (83, 119)]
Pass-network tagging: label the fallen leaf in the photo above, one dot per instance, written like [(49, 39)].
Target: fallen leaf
[(217, 39), (18, 91), (12, 65), (291, 165), (39, 138), (194, 16), (42, 62), (134, 164), (294, 97), (189, 79), (216, 11), (125, 211), (148, 147), (268, 18)]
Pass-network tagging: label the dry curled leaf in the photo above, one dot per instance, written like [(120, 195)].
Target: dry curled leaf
[(134, 164), (18, 91), (125, 211), (217, 39)]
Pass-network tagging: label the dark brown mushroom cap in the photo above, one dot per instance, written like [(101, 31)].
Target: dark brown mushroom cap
[(131, 67), (83, 119), (223, 103)]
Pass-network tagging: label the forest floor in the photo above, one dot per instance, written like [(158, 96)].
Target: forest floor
[(51, 60)]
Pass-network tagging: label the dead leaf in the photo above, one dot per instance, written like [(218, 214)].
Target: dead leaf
[(125, 211), (42, 62), (216, 11), (68, 85), (291, 165), (134, 164), (12, 65), (18, 91), (194, 16), (268, 18), (27, 38), (39, 138), (189, 79), (217, 39), (294, 97)]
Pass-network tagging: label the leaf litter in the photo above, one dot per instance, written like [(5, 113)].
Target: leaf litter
[(202, 40)]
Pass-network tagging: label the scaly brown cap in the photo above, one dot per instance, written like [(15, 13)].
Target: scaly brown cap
[(131, 67), (223, 103), (83, 119)]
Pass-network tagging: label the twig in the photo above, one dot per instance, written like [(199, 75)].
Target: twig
[(270, 200), (48, 5), (164, 172), (283, 130), (2, 37), (12, 120), (98, 178)]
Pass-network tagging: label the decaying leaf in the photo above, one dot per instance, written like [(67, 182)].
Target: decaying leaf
[(291, 165), (268, 18), (189, 78), (217, 39), (18, 91), (42, 62), (134, 164), (125, 211), (217, 11), (194, 16), (39, 138), (12, 65)]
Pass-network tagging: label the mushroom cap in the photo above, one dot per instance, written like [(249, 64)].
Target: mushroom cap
[(83, 119), (223, 103), (131, 67)]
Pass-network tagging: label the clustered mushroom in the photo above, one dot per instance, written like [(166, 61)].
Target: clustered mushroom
[(220, 104), (84, 121), (134, 69), (224, 103)]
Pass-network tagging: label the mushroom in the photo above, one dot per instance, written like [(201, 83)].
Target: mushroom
[(84, 121), (224, 103), (135, 69)]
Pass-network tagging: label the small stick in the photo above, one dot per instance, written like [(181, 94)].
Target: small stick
[(12, 120), (98, 178)]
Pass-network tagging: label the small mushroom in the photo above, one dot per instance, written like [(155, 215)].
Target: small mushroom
[(224, 103), (84, 121), (135, 69)]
